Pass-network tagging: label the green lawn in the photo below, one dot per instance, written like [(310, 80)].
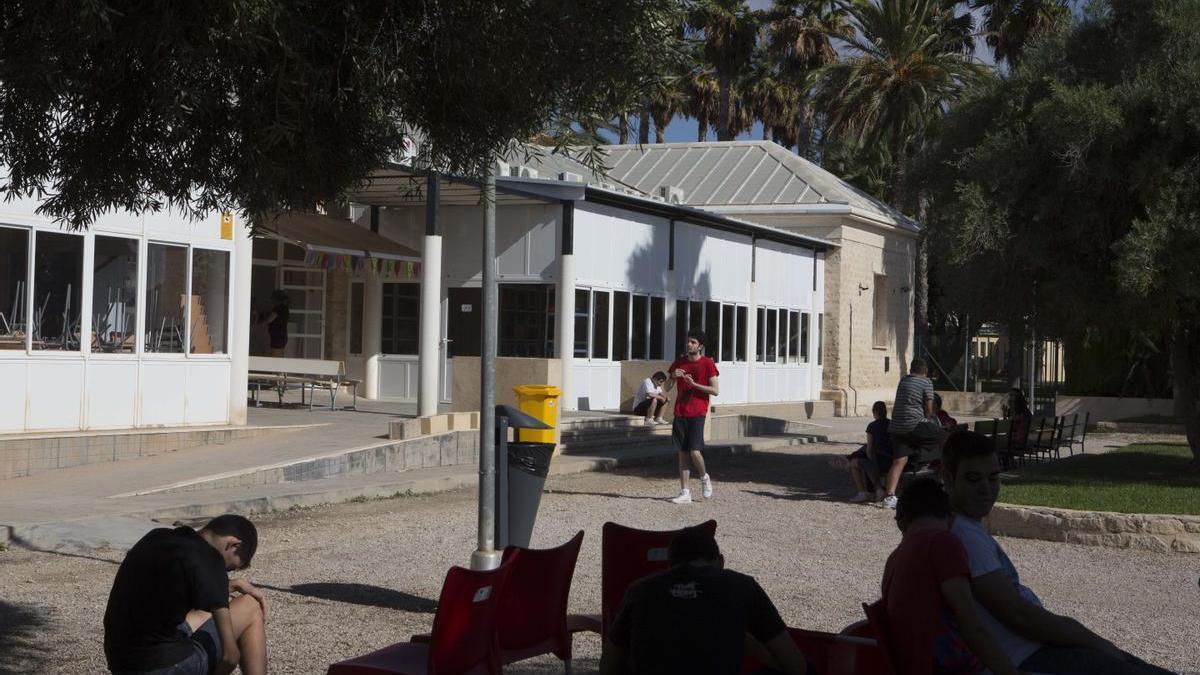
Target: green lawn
[(1142, 478)]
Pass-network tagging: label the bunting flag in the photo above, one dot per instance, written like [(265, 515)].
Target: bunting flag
[(341, 262)]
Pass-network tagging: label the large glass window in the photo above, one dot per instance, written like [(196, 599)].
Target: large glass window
[(771, 336), (356, 317), (114, 295), (695, 316), (641, 322), (793, 351), (681, 325), (621, 337), (728, 333), (524, 320), (600, 324), (712, 330), (804, 337), (400, 329), (57, 291), (166, 287), (14, 269), (210, 301), (658, 319), (583, 310), (760, 321), (742, 326)]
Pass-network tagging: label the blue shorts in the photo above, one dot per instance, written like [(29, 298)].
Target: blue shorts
[(206, 651)]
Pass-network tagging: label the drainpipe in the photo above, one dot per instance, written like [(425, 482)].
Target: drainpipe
[(850, 364)]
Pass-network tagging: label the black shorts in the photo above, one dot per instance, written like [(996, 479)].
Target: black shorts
[(644, 407), (688, 433), (924, 442)]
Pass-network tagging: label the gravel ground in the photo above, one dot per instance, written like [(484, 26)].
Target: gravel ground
[(346, 579)]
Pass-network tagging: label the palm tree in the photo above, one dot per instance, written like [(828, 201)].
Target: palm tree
[(904, 71), (772, 100), (1009, 25), (667, 99), (729, 29), (701, 93)]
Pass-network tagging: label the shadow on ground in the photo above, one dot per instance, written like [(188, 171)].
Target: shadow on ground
[(361, 594), (783, 475), (20, 626)]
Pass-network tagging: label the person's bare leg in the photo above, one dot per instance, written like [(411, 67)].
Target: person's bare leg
[(683, 470), (698, 462), (655, 410), (857, 475), (248, 629), (893, 475)]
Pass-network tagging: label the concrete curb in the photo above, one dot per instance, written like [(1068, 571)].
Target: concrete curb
[(1161, 533)]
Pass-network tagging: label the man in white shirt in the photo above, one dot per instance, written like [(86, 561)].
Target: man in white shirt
[(649, 401), (1032, 637)]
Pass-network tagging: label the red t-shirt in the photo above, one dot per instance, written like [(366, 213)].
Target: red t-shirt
[(923, 631), (690, 402)]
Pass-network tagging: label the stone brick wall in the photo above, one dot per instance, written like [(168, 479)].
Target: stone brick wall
[(337, 292)]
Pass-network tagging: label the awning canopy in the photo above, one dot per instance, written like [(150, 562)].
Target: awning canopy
[(323, 234)]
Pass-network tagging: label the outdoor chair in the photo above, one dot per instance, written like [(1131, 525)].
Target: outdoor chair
[(463, 640), (626, 555), (532, 619), (1003, 441), (877, 621), (835, 654)]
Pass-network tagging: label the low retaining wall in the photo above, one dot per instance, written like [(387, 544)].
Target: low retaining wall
[(1148, 532)]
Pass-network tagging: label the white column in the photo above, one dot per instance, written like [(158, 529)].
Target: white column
[(752, 343), (670, 349), (372, 328), (239, 348), (564, 332), (431, 326)]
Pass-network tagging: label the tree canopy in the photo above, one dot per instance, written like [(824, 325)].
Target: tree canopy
[(265, 104), (1065, 192)]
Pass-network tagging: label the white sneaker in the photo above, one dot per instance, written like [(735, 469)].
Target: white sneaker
[(889, 502), (659, 420), (860, 498), (706, 486), (685, 497)]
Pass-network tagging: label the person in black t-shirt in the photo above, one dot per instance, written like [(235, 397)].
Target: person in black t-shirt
[(697, 617), (277, 322), (871, 461), (170, 610)]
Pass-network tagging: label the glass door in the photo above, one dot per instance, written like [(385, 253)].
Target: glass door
[(305, 288)]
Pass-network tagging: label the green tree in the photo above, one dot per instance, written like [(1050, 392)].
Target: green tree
[(701, 94), (266, 105), (907, 66), (728, 30), (1010, 25), (1065, 191)]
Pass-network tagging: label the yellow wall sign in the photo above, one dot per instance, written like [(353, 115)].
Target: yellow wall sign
[(227, 225)]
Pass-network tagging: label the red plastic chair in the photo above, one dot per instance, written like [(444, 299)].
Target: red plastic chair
[(626, 555), (836, 654), (877, 620), (532, 619), (464, 632)]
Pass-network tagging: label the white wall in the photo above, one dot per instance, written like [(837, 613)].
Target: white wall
[(785, 275), (621, 249), (712, 264), (48, 390)]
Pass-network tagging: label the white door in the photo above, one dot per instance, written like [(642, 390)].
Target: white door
[(306, 324)]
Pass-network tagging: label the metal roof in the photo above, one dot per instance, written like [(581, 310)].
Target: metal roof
[(753, 174)]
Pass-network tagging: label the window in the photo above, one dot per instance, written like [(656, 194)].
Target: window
[(166, 286), (770, 336), (291, 252), (621, 326), (761, 321), (728, 333), (641, 325), (582, 314), (820, 337), (265, 249), (879, 328), (793, 352), (695, 316), (210, 301), (600, 325), (741, 327), (681, 325), (401, 316), (57, 290), (658, 317), (524, 320), (114, 295), (14, 268), (712, 330), (356, 317), (804, 337)]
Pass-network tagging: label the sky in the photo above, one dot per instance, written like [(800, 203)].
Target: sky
[(684, 129)]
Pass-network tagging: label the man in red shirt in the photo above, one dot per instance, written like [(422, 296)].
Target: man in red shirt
[(696, 377), (932, 624)]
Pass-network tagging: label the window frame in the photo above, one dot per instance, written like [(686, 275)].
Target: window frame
[(138, 304)]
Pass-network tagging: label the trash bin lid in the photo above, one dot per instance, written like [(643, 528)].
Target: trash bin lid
[(518, 419), (537, 390)]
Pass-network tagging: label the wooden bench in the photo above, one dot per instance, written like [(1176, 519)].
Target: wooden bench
[(282, 374)]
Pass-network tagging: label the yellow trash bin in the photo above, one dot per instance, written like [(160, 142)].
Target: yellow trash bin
[(540, 401)]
